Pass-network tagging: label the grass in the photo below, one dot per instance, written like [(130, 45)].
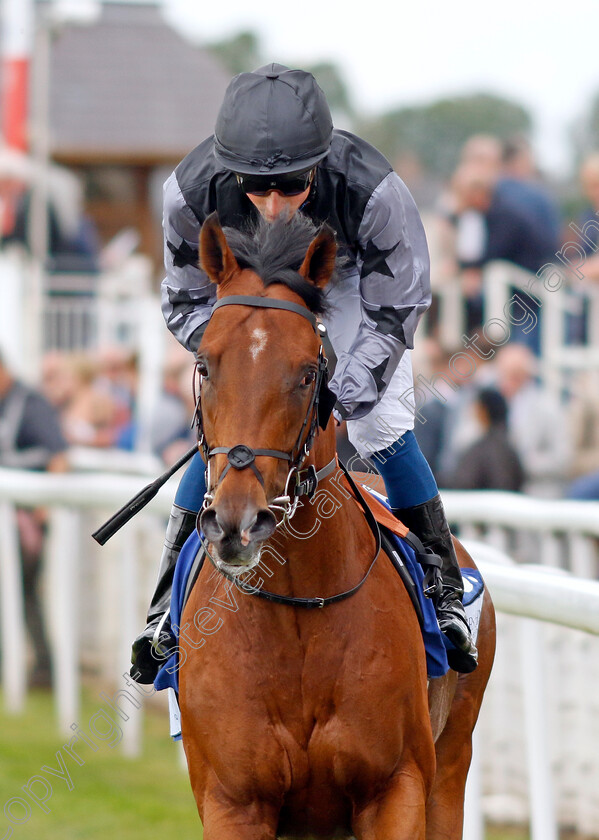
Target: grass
[(112, 797), (506, 833)]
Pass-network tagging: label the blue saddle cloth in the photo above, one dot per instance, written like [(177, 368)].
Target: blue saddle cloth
[(434, 642)]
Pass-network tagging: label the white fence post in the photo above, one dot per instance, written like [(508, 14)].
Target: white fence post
[(474, 823), (543, 821), (64, 552), (151, 345), (583, 556), (12, 312), (12, 616), (130, 628)]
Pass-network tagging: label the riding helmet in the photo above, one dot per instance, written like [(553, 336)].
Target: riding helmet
[(273, 121)]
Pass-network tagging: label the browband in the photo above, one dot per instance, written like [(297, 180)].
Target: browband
[(267, 303)]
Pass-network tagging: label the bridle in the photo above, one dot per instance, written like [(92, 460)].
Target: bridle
[(240, 456), (299, 482)]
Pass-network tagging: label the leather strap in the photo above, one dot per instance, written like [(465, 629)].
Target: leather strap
[(307, 486), (318, 603), (266, 303)]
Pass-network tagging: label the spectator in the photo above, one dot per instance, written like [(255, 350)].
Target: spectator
[(58, 381), (588, 229), (171, 434), (491, 463), (520, 182), (431, 423), (482, 150), (447, 422), (510, 232), (536, 422), (89, 414), (117, 380), (584, 427), (73, 243), (587, 239), (30, 439)]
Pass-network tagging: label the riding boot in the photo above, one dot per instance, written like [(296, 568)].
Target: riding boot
[(428, 522), (151, 649)]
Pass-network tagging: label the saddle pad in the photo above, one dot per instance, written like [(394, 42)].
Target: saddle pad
[(377, 503), (474, 587)]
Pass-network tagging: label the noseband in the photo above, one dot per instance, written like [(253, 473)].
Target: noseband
[(240, 457)]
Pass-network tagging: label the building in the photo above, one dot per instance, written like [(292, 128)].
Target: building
[(128, 98)]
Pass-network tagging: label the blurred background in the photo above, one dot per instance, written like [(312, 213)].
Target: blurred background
[(491, 117)]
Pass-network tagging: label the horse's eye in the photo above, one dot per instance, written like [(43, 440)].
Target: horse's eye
[(202, 368), (309, 378)]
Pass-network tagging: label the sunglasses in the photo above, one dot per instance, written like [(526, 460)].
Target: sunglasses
[(293, 183)]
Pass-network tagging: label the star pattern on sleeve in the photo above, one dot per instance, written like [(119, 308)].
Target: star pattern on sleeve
[(183, 255), (390, 321), (375, 260), (378, 373)]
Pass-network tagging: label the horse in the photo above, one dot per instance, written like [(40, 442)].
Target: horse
[(310, 716)]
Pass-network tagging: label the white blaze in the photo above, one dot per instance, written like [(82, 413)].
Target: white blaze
[(258, 342)]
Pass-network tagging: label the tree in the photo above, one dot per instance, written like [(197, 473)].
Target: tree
[(239, 54), (331, 81), (435, 133), (243, 53), (585, 132)]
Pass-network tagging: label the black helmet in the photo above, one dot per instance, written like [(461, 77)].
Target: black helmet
[(273, 121)]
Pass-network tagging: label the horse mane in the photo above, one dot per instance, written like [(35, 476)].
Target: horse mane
[(276, 251)]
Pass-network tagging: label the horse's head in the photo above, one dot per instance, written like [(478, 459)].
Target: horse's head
[(261, 370)]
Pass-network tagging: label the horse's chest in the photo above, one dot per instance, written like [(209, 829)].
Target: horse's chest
[(317, 716)]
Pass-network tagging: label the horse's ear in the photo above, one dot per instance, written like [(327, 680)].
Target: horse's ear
[(319, 262), (216, 258)]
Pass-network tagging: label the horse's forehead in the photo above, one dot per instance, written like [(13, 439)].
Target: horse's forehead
[(261, 326)]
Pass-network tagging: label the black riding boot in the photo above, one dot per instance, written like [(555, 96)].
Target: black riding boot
[(153, 647), (429, 524)]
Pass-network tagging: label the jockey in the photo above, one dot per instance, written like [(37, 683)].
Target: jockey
[(274, 151)]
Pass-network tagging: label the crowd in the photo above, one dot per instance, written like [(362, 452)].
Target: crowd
[(95, 397), (496, 206), (494, 425), (82, 399)]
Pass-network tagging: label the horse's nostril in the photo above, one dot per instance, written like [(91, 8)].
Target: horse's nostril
[(254, 527), (210, 525), (263, 526)]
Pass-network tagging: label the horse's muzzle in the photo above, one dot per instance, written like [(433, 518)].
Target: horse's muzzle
[(237, 542)]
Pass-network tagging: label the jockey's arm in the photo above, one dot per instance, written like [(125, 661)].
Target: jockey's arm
[(187, 293), (393, 263)]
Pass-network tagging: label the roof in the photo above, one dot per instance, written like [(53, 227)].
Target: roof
[(129, 86)]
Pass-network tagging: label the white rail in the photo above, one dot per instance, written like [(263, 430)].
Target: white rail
[(558, 358), (513, 510), (549, 595)]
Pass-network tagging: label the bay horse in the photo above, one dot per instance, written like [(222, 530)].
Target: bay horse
[(298, 721)]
